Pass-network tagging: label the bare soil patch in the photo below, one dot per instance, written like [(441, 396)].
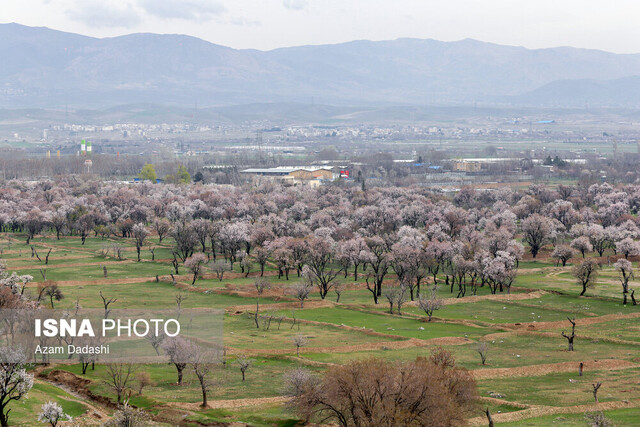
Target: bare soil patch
[(539, 411), (550, 368), (564, 323)]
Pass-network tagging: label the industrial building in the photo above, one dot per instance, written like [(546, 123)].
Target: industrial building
[(478, 164), (307, 175)]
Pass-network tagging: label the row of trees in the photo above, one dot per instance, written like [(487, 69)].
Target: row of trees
[(471, 240)]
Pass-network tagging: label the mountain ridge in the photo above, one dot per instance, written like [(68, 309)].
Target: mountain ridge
[(46, 68)]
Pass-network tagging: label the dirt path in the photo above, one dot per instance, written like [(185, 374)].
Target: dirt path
[(384, 345), (51, 258), (500, 335), (94, 415), (227, 404), (550, 368), (130, 280), (539, 411), (239, 309), (70, 265), (497, 297), (565, 324)]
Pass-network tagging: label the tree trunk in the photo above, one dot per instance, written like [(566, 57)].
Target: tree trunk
[(179, 375), (204, 393), (489, 418)]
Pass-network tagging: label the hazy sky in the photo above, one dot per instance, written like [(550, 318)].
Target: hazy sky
[(267, 24)]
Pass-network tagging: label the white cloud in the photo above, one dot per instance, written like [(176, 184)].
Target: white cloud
[(295, 4), (190, 10), (103, 15)]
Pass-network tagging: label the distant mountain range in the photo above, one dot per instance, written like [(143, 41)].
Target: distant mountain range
[(44, 68)]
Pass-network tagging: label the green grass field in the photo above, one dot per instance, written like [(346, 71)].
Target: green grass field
[(528, 364)]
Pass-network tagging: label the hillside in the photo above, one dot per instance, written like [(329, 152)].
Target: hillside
[(47, 68)]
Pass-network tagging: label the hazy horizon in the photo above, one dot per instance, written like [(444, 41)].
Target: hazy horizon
[(321, 44), (273, 24)]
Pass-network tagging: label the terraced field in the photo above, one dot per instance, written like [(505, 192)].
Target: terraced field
[(530, 378)]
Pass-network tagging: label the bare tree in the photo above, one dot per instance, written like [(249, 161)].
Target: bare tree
[(296, 381), (586, 274), (536, 231), (185, 240), (596, 387), (301, 291), (106, 303), (155, 339), (338, 290), (376, 392), (202, 365), (597, 419), (571, 337), (178, 349), (261, 256), (257, 314), (244, 364), (195, 264), (320, 255), (625, 273), (200, 228), (483, 350), (117, 251), (118, 377), (175, 263), (161, 227), (140, 233), (219, 267), (396, 295), (144, 379), (299, 341), (261, 284), (246, 265), (180, 298), (489, 417), (430, 304), (84, 358)]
